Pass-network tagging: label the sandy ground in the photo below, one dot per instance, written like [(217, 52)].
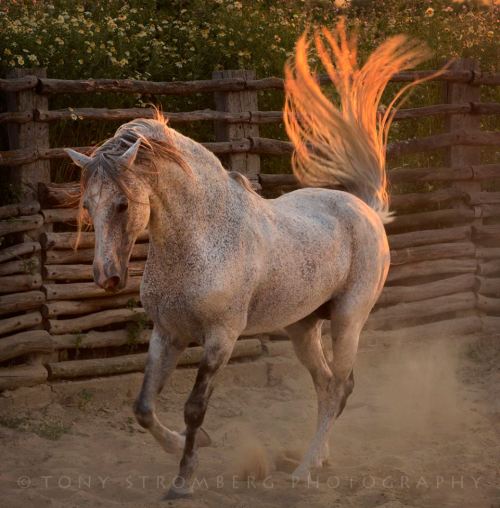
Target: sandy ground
[(418, 431)]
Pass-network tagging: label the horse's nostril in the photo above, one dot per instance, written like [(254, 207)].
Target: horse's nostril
[(111, 283)]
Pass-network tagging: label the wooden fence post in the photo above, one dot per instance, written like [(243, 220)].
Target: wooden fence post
[(32, 134), (461, 155), (238, 102)]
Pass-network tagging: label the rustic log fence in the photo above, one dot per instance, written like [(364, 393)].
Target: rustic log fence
[(55, 323)]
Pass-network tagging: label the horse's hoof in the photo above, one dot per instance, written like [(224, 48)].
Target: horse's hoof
[(178, 493), (202, 438)]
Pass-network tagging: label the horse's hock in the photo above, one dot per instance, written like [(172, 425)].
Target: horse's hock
[(56, 324)]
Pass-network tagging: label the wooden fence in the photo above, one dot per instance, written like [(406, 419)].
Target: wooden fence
[(55, 323)]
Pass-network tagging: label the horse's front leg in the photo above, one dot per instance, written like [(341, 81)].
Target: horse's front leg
[(163, 356), (217, 351)]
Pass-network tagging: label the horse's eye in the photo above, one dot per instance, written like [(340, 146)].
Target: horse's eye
[(122, 206), (85, 205)]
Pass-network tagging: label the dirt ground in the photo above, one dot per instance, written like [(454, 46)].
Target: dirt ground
[(418, 431)]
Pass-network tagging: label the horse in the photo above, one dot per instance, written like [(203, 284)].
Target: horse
[(225, 262)]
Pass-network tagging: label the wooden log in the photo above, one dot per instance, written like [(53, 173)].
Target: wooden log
[(430, 236), (59, 194), (137, 362), (277, 180), (34, 341), (426, 220), (59, 86), (489, 286), (406, 202), (491, 324), (16, 323), (22, 375), (446, 328), (83, 272), (481, 198), (77, 290), (21, 223), (21, 301), (59, 257), (26, 208), (488, 305), (436, 268), (487, 252), (392, 295), (486, 171), (435, 251), (489, 267), (67, 215), (485, 108), (270, 146), (27, 265), (483, 233), (18, 250), (93, 339), (30, 136), (424, 175), (236, 102), (395, 314), (18, 84), (89, 321), (17, 283), (444, 140), (18, 157), (55, 308), (68, 240), (487, 211), (16, 117)]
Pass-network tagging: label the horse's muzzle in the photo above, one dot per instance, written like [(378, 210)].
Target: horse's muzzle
[(110, 279)]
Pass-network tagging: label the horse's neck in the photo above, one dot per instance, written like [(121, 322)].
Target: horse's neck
[(184, 205)]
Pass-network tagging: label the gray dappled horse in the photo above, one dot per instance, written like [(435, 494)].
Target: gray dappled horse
[(224, 262)]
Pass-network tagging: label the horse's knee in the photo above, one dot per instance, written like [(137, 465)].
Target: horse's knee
[(143, 414)]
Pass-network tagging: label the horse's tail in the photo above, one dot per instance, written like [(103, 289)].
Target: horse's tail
[(345, 145)]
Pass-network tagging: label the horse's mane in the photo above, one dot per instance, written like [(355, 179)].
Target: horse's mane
[(156, 147)]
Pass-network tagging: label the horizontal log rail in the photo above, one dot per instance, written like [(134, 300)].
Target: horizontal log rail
[(387, 317), (18, 84), (35, 341), (252, 117), (77, 290), (136, 362), (22, 375), (392, 295), (269, 146), (21, 249), (95, 320), (20, 223), (59, 86), (21, 322), (26, 208), (18, 117)]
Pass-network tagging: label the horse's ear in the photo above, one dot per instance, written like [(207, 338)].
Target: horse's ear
[(128, 158), (80, 159)]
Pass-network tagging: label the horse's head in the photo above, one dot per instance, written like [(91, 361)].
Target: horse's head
[(117, 201)]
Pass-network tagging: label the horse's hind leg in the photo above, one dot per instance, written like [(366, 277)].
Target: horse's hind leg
[(306, 338), (163, 356), (348, 317)]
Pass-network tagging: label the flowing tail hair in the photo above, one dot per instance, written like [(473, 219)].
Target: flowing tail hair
[(346, 146)]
